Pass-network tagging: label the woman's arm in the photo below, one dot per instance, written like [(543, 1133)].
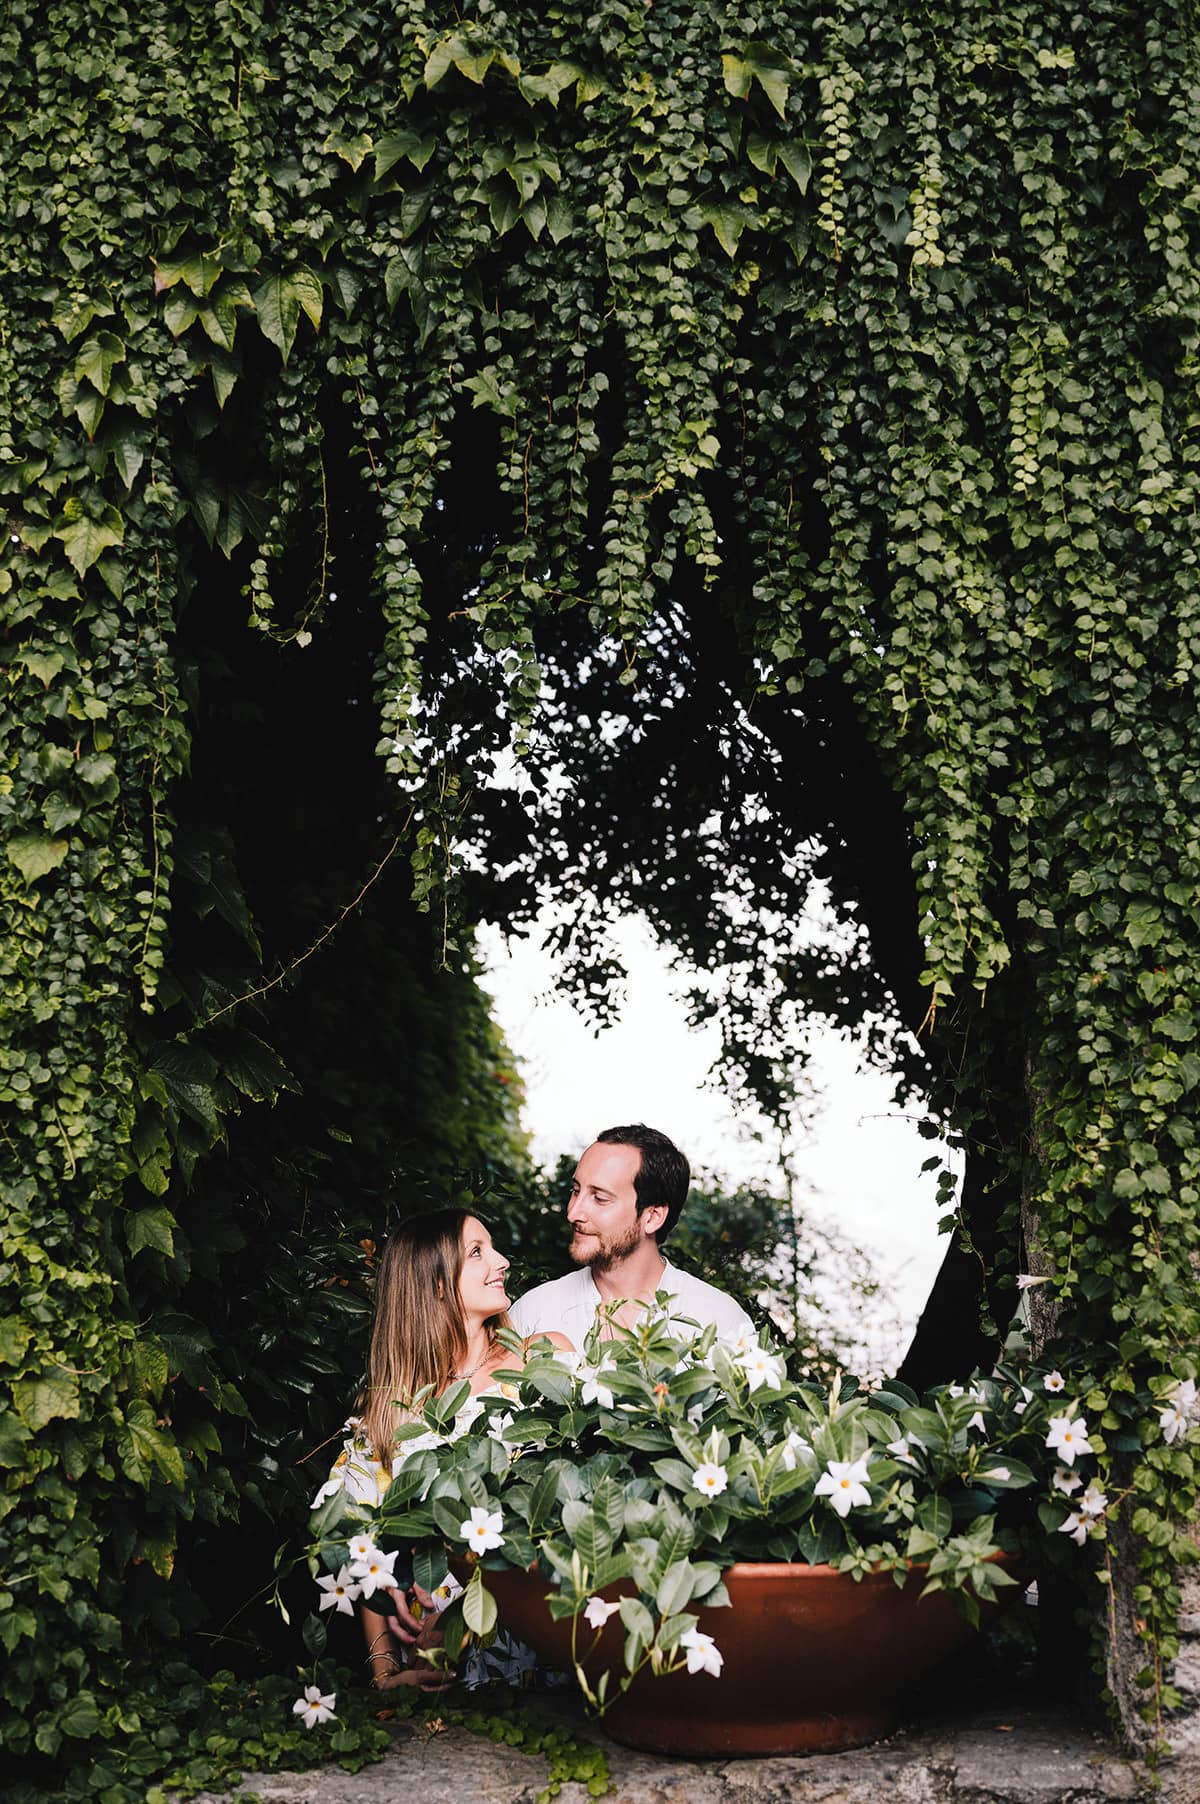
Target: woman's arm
[(385, 1660)]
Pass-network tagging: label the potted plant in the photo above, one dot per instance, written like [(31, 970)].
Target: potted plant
[(610, 1509)]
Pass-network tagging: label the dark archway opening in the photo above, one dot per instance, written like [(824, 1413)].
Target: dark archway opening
[(694, 794)]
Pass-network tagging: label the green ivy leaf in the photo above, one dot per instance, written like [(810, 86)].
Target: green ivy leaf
[(36, 855), (152, 1228), (354, 151), (281, 299), (86, 537), (50, 1398), (15, 1336), (97, 359)]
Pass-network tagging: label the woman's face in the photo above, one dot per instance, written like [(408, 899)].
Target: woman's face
[(481, 1281)]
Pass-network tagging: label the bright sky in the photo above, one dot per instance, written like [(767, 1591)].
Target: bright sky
[(858, 1158)]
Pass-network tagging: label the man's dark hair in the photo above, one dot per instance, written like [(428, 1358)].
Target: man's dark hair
[(663, 1175)]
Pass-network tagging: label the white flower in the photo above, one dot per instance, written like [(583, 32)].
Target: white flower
[(1068, 1437), (955, 1390), (1174, 1423), (375, 1571), (333, 1484), (1026, 1399), (1065, 1480), (361, 1548), (443, 1595), (793, 1449), (976, 1421), (710, 1480), (1093, 1502), (340, 1592), (741, 1345), (598, 1612), (1026, 1281), (762, 1367), (481, 1530), (1076, 1527), (1181, 1411), (1184, 1395), (1001, 1474), (497, 1425), (902, 1450), (695, 1414), (1054, 1381), (844, 1483), (592, 1390), (703, 1654), (314, 1708)]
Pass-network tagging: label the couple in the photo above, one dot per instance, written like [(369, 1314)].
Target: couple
[(441, 1298)]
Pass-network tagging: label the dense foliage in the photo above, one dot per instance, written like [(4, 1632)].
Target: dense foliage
[(834, 365), (650, 1464)]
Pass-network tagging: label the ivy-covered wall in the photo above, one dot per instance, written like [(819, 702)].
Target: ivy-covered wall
[(869, 330)]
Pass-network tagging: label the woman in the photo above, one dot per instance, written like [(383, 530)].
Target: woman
[(440, 1301)]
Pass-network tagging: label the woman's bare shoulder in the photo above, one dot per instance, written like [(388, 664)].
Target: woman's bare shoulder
[(556, 1340)]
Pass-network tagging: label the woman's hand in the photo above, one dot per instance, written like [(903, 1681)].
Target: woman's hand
[(416, 1628)]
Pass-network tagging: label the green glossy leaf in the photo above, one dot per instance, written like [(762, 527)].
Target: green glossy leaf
[(35, 854)]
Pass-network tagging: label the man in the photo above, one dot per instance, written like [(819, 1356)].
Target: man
[(629, 1189)]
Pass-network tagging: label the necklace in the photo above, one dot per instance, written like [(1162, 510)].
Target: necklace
[(478, 1367)]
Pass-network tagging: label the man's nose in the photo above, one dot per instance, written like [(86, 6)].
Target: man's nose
[(575, 1208)]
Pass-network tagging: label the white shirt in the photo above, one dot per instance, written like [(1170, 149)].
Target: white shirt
[(569, 1305)]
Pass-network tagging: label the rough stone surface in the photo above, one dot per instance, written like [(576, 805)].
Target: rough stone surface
[(1018, 1756)]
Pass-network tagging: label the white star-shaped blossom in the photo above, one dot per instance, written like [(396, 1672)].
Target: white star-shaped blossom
[(339, 1592), (315, 1708), (709, 1479), (481, 1530), (1054, 1382), (598, 1612), (794, 1449), (375, 1572), (762, 1367), (741, 1345), (1068, 1437), (844, 1483), (1065, 1480), (1093, 1502), (703, 1654), (1181, 1411), (592, 1389)]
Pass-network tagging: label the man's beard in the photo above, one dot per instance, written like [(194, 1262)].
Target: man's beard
[(607, 1252)]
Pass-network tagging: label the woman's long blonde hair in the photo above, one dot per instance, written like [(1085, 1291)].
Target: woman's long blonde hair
[(419, 1335)]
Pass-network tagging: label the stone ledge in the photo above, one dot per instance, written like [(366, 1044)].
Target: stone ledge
[(1020, 1756)]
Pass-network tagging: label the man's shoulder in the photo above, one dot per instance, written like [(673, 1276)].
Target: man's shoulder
[(706, 1300)]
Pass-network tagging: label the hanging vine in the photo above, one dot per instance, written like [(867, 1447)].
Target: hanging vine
[(876, 326)]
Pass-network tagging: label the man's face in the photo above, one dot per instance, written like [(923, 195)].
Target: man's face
[(603, 1207)]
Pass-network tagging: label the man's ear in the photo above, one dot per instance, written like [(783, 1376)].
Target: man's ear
[(653, 1218)]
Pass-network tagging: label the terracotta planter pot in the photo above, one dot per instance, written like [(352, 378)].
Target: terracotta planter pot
[(813, 1660)]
